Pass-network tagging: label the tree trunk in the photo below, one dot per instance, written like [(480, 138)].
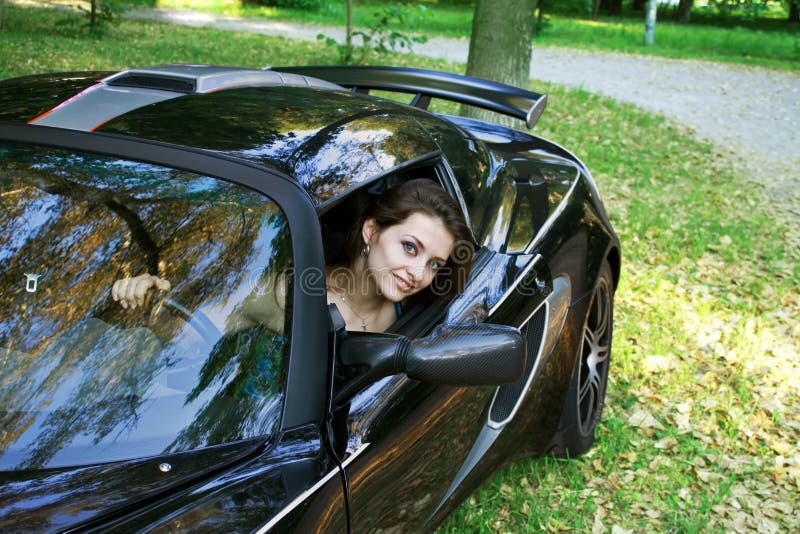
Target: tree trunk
[(540, 5), (684, 12), (348, 39), (794, 11), (93, 15), (595, 8), (650, 23), (500, 47), (612, 7)]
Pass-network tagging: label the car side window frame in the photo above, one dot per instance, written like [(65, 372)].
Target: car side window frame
[(306, 387), (448, 179)]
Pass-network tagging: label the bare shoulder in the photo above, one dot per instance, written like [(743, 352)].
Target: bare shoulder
[(266, 304)]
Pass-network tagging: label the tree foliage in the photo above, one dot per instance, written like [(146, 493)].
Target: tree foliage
[(297, 4), (381, 37), (684, 11)]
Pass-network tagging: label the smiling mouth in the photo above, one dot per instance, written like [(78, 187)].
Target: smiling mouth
[(402, 284)]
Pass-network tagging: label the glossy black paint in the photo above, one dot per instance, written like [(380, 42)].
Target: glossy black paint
[(403, 440), (82, 494), (244, 497), (42, 93), (426, 84), (302, 135)]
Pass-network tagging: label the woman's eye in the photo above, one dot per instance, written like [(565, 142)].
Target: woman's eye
[(409, 247)]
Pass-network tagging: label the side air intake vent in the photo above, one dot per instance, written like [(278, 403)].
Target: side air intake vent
[(507, 399), (164, 83)]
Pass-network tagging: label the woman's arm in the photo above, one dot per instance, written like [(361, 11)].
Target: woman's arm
[(266, 307)]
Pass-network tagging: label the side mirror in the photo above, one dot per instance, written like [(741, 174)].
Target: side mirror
[(453, 354)]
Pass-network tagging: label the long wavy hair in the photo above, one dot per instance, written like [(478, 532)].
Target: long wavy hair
[(421, 195)]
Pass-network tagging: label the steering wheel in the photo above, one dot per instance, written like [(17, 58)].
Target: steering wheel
[(198, 320)]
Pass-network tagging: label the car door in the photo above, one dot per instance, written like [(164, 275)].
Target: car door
[(422, 448), (405, 440), (411, 438), (527, 216), (230, 427)]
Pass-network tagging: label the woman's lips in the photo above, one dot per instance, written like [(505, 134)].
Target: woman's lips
[(402, 284)]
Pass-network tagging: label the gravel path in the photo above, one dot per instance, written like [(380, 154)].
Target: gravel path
[(745, 111)]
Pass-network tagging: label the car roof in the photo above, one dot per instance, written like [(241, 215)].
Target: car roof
[(326, 137)]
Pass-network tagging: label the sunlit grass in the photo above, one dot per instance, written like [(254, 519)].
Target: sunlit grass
[(423, 17), (222, 6), (233, 8), (702, 424), (774, 43), (37, 40)]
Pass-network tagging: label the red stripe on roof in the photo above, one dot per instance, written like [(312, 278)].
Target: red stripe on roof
[(67, 101)]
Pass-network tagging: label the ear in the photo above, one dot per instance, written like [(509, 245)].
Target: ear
[(368, 230)]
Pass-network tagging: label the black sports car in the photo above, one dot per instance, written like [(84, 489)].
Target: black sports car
[(157, 420)]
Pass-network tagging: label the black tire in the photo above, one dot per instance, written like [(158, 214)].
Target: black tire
[(587, 391)]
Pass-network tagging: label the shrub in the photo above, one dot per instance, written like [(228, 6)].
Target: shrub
[(297, 4)]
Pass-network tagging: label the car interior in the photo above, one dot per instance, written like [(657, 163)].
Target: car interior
[(337, 218)]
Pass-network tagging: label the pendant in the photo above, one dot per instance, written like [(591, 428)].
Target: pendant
[(363, 325)]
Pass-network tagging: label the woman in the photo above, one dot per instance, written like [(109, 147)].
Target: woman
[(411, 242)]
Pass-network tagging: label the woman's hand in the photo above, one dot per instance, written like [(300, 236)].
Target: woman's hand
[(130, 292)]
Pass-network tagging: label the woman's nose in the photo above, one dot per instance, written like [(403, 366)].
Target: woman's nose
[(415, 271)]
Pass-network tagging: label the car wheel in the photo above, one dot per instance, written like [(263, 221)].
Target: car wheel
[(587, 391)]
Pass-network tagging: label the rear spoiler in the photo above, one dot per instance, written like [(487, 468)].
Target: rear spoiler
[(426, 84)]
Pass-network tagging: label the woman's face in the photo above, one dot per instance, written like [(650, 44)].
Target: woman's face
[(404, 258)]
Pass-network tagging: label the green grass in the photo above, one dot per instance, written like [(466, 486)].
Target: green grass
[(702, 425), (706, 339), (762, 42), (59, 41), (778, 49), (453, 21)]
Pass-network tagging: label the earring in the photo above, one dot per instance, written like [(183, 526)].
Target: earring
[(365, 250)]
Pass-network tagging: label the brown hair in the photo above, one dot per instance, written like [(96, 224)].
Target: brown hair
[(420, 195)]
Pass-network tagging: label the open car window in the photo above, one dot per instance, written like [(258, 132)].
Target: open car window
[(83, 380)]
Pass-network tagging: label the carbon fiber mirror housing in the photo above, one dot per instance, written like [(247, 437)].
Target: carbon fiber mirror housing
[(453, 354), (467, 355)]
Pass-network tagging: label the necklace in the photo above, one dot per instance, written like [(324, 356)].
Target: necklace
[(350, 307)]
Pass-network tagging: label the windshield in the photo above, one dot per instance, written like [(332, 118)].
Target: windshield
[(85, 380)]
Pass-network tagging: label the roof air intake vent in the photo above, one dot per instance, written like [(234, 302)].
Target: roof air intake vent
[(151, 81)]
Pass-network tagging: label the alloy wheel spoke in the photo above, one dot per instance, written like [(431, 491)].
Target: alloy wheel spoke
[(591, 381), (603, 315), (602, 353), (589, 336), (586, 406), (595, 353), (599, 355), (584, 390)]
